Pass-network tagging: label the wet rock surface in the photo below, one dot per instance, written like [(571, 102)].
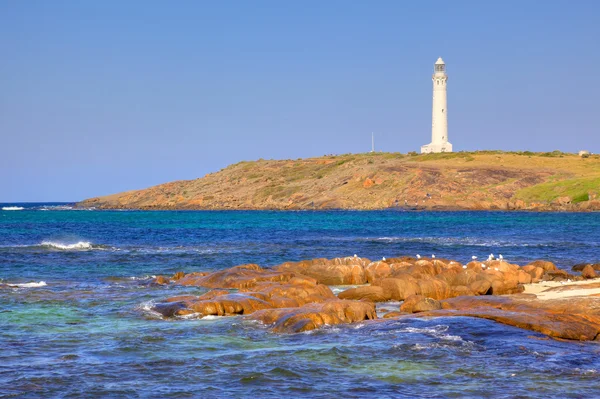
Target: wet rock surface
[(573, 318), (313, 316)]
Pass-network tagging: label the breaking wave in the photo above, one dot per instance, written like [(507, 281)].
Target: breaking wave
[(29, 285), (81, 245), (12, 208), (56, 208)]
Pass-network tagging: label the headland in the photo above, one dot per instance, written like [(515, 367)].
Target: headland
[(482, 180)]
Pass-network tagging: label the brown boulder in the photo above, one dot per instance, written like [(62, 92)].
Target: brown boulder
[(556, 275), (481, 287), (398, 288), (212, 294), (588, 272), (377, 270), (434, 288), (579, 267), (337, 271), (296, 292), (243, 276), (573, 318), (466, 277), (183, 298), (177, 276), (403, 259), (523, 277), (419, 303), (390, 315), (535, 272), (501, 266), (161, 280), (547, 266), (424, 268), (229, 305), (369, 293), (315, 315)]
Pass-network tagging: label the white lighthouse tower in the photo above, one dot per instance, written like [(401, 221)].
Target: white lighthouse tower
[(439, 117)]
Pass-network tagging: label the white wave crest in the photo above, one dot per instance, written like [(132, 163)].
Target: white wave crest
[(148, 309), (81, 245), (56, 208), (12, 208), (146, 277), (29, 285)]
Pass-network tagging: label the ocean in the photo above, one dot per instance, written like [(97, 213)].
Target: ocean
[(78, 324)]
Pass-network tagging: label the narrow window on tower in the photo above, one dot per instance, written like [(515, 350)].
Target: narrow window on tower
[(442, 110)]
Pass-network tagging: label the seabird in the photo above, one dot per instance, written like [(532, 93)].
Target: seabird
[(495, 268), (464, 266), (383, 259), (500, 257), (355, 255), (473, 257), (418, 256), (432, 256)]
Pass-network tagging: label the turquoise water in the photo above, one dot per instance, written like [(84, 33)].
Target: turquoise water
[(79, 326)]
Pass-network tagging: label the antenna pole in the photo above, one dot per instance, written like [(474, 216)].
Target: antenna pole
[(372, 142)]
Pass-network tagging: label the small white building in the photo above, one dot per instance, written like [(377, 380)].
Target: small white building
[(439, 117), (583, 152)]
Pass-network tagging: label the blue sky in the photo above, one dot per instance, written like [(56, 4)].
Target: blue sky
[(101, 97)]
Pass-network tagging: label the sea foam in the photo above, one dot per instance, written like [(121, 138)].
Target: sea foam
[(81, 245), (12, 208), (29, 285)]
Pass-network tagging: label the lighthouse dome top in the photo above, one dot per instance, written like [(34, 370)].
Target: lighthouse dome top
[(440, 61)]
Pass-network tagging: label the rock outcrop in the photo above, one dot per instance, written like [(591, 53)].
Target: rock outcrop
[(338, 271), (295, 296), (315, 315), (574, 318)]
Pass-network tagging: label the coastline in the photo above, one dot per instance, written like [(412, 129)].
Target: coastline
[(541, 209)]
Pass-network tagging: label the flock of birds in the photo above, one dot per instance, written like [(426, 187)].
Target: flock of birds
[(483, 266)]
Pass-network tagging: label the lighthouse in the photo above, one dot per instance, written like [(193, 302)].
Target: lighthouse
[(439, 116)]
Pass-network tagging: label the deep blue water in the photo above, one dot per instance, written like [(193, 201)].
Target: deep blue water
[(88, 333)]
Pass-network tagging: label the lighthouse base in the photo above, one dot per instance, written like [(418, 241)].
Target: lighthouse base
[(436, 147)]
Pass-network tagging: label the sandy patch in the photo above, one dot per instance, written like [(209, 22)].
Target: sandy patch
[(545, 290)]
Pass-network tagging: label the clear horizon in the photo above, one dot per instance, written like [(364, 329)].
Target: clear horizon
[(100, 98)]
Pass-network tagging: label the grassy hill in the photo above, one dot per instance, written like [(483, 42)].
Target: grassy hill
[(460, 180)]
